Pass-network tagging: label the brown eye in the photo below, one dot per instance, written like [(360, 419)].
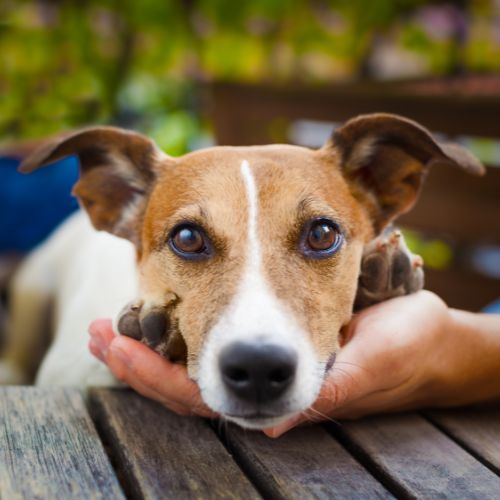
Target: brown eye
[(189, 242), (321, 238)]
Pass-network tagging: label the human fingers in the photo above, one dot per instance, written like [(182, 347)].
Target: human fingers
[(367, 364), (101, 335), (386, 363), (146, 371), (143, 368)]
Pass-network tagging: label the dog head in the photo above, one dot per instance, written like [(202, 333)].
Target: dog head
[(253, 251)]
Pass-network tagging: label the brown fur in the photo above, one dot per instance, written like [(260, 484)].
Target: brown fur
[(369, 173), (210, 184)]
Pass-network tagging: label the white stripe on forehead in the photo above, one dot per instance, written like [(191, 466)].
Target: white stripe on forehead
[(255, 310), (257, 316), (254, 252)]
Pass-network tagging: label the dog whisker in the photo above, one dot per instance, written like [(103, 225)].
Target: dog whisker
[(344, 372), (322, 416), (350, 364)]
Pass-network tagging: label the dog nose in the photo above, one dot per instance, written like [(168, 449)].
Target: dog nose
[(257, 373)]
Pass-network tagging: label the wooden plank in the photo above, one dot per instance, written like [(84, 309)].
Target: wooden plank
[(455, 203), (260, 105), (417, 459), (477, 429), (304, 463), (49, 447), (462, 288), (162, 455)]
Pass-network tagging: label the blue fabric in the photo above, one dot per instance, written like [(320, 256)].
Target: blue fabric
[(493, 308), (31, 206)]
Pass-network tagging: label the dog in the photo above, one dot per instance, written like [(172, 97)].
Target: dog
[(244, 263)]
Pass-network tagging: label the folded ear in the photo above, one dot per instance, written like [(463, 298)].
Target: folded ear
[(117, 170), (385, 159)]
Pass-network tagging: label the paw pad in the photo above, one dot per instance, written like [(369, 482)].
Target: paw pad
[(152, 325), (388, 269)]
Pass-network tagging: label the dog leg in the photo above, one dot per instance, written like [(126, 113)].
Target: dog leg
[(154, 325), (388, 270), (28, 320)]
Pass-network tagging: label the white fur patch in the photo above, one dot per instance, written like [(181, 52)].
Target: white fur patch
[(87, 275), (256, 315), (363, 150), (128, 216), (123, 169), (254, 256)]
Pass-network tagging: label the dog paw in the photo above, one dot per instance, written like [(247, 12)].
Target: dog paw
[(153, 326), (128, 321), (150, 325), (388, 269)]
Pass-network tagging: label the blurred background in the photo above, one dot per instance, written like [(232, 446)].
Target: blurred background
[(191, 73), (68, 63)]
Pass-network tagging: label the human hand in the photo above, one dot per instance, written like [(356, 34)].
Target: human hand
[(405, 353), (388, 362), (396, 356), (146, 371)]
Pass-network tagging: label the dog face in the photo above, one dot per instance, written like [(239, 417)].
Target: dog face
[(256, 210), (249, 257)]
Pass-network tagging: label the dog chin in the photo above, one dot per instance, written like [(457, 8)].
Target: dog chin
[(259, 423)]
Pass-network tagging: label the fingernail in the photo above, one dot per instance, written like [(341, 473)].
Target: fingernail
[(277, 431), (94, 327), (96, 350), (101, 343), (280, 429), (270, 433), (120, 354)]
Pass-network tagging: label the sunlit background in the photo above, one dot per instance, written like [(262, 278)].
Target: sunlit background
[(68, 63), (172, 69)]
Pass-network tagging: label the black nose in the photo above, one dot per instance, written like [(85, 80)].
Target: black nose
[(257, 373)]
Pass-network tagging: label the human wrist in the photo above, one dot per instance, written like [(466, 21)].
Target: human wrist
[(438, 374), (468, 366)]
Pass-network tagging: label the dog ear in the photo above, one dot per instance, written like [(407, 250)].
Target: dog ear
[(385, 159), (117, 170)]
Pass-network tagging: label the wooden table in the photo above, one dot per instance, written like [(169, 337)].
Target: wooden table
[(115, 444)]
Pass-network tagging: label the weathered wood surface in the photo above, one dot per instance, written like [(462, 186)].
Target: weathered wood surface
[(303, 464), (162, 455), (417, 460), (476, 429), (49, 447)]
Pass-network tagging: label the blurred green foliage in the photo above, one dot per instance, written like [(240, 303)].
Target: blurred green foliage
[(437, 253), (65, 63)]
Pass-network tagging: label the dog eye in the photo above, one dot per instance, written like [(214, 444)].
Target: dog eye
[(189, 241), (321, 238)]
